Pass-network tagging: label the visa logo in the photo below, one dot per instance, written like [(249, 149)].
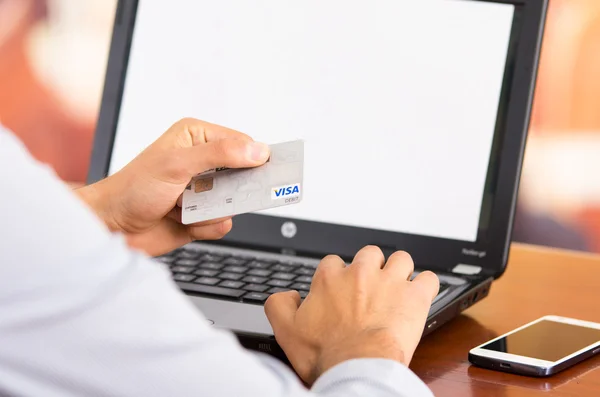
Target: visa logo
[(285, 191)]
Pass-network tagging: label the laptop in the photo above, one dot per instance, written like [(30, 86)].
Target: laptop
[(414, 116)]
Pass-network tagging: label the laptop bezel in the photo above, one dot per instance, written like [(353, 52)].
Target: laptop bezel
[(489, 253)]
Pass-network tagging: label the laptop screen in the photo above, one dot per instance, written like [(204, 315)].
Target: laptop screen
[(397, 100)]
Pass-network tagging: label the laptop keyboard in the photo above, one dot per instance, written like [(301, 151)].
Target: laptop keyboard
[(238, 277)]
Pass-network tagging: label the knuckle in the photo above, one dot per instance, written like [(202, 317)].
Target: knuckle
[(428, 286), (189, 131), (331, 258), (322, 276), (271, 300), (372, 250), (431, 278), (292, 294), (327, 270), (187, 121), (403, 260), (368, 254), (403, 256)]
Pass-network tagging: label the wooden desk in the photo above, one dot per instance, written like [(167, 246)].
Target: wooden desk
[(537, 282)]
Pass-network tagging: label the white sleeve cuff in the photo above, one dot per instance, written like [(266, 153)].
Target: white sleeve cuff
[(362, 377)]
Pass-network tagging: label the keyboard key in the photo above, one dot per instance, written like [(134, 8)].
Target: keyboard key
[(211, 258), (305, 271), (256, 287), (303, 294), (211, 265), (165, 259), (284, 276), (183, 277), (279, 283), (230, 276), (197, 251), (281, 268), (300, 287), (269, 261), (206, 272), (259, 272), (256, 297), (304, 279), (187, 254), (182, 269), (255, 279), (186, 262), (259, 265), (236, 269), (208, 289), (234, 261), (276, 290), (231, 284), (207, 280)]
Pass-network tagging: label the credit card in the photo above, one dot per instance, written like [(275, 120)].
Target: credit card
[(224, 192)]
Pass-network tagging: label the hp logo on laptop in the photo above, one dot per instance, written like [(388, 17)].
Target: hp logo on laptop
[(289, 229)]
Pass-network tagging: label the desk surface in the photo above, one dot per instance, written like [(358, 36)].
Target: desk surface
[(536, 283)]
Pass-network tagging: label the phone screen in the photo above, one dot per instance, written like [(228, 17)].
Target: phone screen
[(546, 340)]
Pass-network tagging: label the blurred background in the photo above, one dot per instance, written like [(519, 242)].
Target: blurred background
[(52, 62)]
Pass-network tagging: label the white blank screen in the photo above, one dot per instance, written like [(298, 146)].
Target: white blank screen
[(396, 100)]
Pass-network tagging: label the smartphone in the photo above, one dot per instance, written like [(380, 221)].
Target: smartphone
[(541, 348)]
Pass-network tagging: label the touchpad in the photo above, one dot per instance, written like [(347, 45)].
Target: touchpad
[(234, 316)]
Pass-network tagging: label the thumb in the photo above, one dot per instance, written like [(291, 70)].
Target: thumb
[(230, 152), (281, 311)]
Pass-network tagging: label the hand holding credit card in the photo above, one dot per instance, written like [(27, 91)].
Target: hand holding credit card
[(224, 192)]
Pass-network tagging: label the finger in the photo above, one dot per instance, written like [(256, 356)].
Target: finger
[(428, 283), (164, 237), (370, 256), (210, 222), (330, 264), (232, 153), (194, 132), (216, 132), (215, 231), (180, 201), (175, 215), (400, 264), (281, 311)]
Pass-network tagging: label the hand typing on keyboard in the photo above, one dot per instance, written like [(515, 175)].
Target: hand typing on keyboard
[(368, 309)]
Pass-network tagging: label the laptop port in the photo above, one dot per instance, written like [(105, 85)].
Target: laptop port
[(504, 365), (475, 296)]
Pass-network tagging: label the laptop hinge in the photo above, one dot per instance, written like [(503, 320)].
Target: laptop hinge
[(468, 270)]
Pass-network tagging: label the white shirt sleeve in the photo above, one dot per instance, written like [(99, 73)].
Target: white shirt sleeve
[(83, 315)]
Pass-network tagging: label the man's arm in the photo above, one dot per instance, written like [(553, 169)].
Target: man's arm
[(81, 314)]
